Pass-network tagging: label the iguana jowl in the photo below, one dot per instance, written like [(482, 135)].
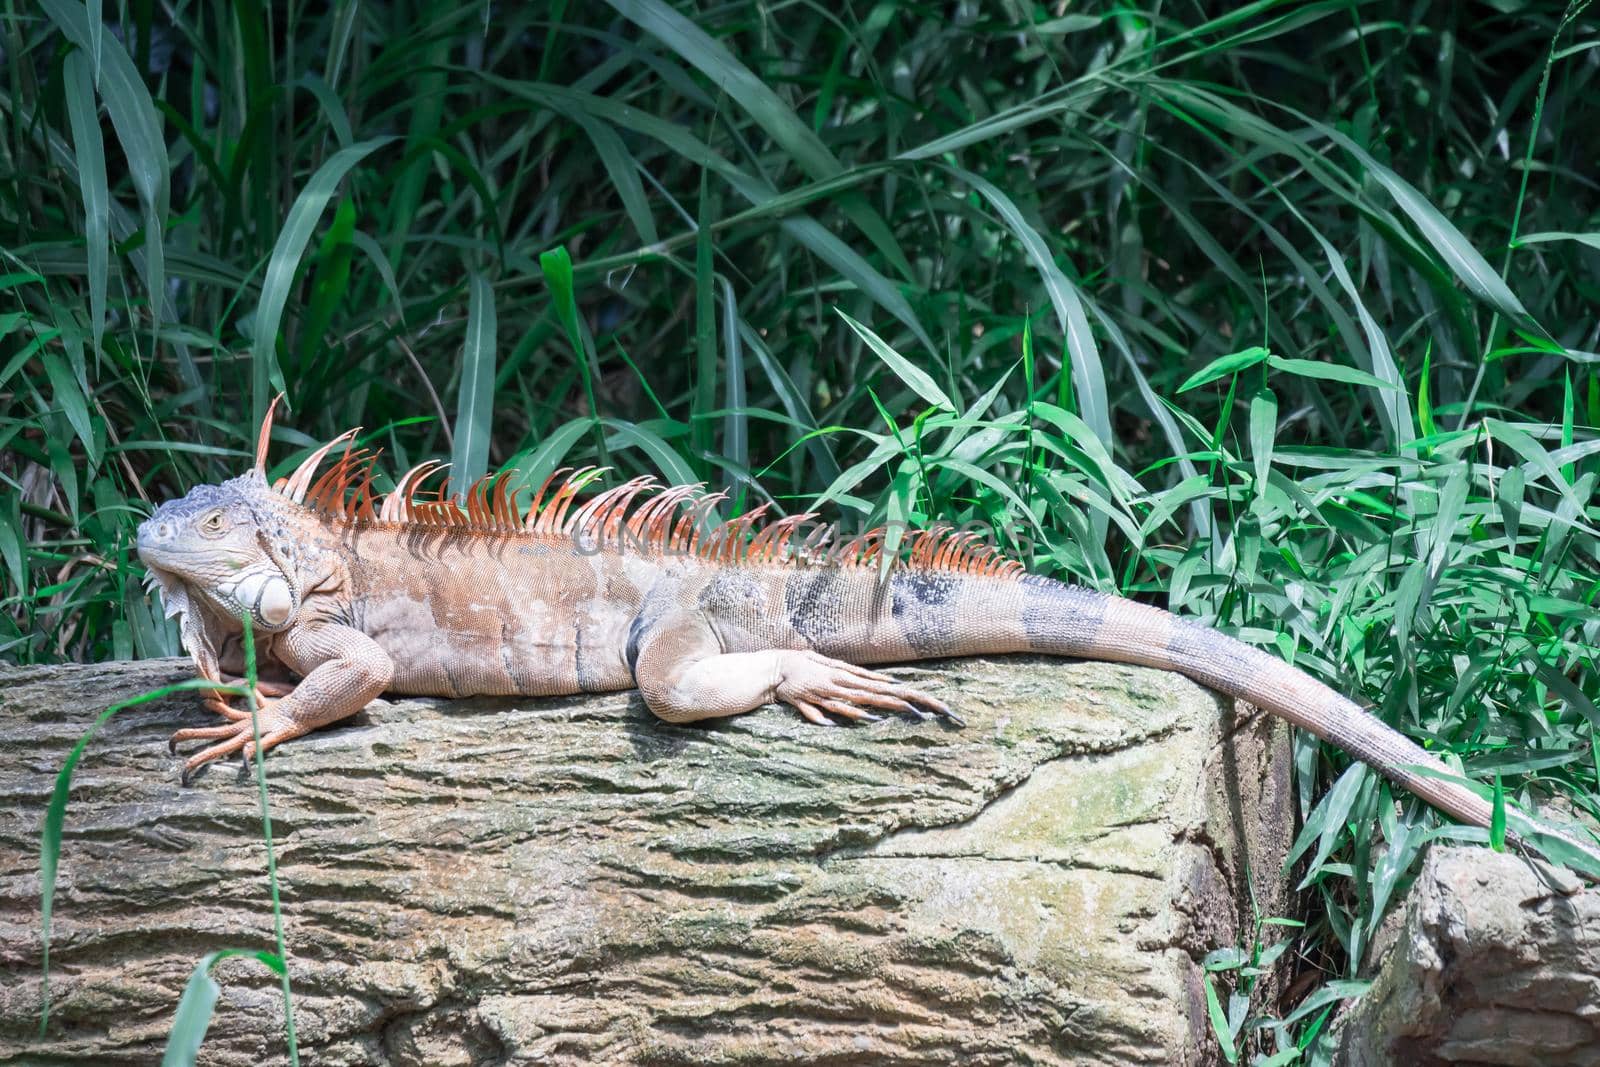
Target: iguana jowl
[(417, 595)]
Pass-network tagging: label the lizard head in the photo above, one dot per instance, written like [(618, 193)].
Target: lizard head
[(214, 546)]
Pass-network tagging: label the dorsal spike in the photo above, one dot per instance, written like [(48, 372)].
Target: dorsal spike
[(784, 531), (562, 501), (477, 500), (815, 547), (504, 511), (327, 494), (619, 511), (536, 509), (760, 547), (361, 503), (594, 510), (686, 535), (552, 514), (655, 519), (397, 505), (300, 480), (264, 437)]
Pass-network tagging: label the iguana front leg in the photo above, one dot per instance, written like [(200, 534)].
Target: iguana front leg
[(342, 671), (225, 665), (684, 675)]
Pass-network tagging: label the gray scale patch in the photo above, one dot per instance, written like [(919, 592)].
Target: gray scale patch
[(507, 635), (1214, 659), (814, 603), (636, 631), (733, 594), (924, 605), (1061, 618)]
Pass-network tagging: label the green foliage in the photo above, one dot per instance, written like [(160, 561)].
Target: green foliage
[(1280, 314), (199, 1000)]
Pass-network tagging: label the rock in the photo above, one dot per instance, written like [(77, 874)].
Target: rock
[(572, 881), (1497, 961)]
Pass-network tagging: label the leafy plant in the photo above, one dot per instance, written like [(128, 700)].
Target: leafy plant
[(1279, 314)]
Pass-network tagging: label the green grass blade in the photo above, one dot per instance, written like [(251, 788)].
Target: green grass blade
[(1224, 366), (703, 398), (193, 1017), (84, 114), (282, 967), (758, 100), (266, 377), (474, 421), (913, 377), (736, 423), (1083, 354), (56, 814), (1219, 1022), (1263, 431), (1590, 239), (138, 127), (198, 1003), (67, 394), (557, 267), (1453, 247)]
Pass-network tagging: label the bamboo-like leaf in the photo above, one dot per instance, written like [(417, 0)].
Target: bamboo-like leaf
[(1083, 354), (138, 127), (1223, 366), (1263, 432), (1327, 819), (193, 1017), (914, 377), (1590, 239), (763, 105), (1464, 260), (557, 267), (199, 1001), (1219, 1021), (703, 397), (83, 114), (67, 394), (266, 377), (474, 421), (11, 546), (1332, 372), (736, 423)]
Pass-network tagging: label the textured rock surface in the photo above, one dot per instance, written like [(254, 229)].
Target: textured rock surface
[(571, 881), (1497, 962)]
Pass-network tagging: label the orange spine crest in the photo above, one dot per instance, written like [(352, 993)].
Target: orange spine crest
[(671, 520)]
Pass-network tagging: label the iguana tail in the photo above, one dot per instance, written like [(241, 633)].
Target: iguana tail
[(1067, 621), (1033, 614)]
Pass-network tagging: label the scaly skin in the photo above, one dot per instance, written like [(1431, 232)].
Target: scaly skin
[(416, 597)]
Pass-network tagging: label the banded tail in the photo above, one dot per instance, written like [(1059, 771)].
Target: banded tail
[(988, 615)]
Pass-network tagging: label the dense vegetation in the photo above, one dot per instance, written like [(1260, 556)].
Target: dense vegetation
[(1280, 314)]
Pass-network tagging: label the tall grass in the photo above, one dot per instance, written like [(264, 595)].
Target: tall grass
[(1281, 314)]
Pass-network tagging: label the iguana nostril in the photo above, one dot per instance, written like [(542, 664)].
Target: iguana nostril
[(152, 532)]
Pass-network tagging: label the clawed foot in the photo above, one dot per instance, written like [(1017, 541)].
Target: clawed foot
[(237, 735), (818, 686)]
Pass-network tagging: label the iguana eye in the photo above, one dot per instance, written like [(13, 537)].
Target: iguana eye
[(212, 523)]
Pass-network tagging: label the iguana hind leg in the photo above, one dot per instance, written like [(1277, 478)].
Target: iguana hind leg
[(685, 676)]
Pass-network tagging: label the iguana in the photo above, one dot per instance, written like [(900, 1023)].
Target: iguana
[(416, 594)]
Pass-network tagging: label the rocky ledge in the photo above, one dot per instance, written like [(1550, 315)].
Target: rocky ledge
[(571, 881)]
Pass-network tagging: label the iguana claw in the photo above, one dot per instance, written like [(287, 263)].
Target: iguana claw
[(818, 686)]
